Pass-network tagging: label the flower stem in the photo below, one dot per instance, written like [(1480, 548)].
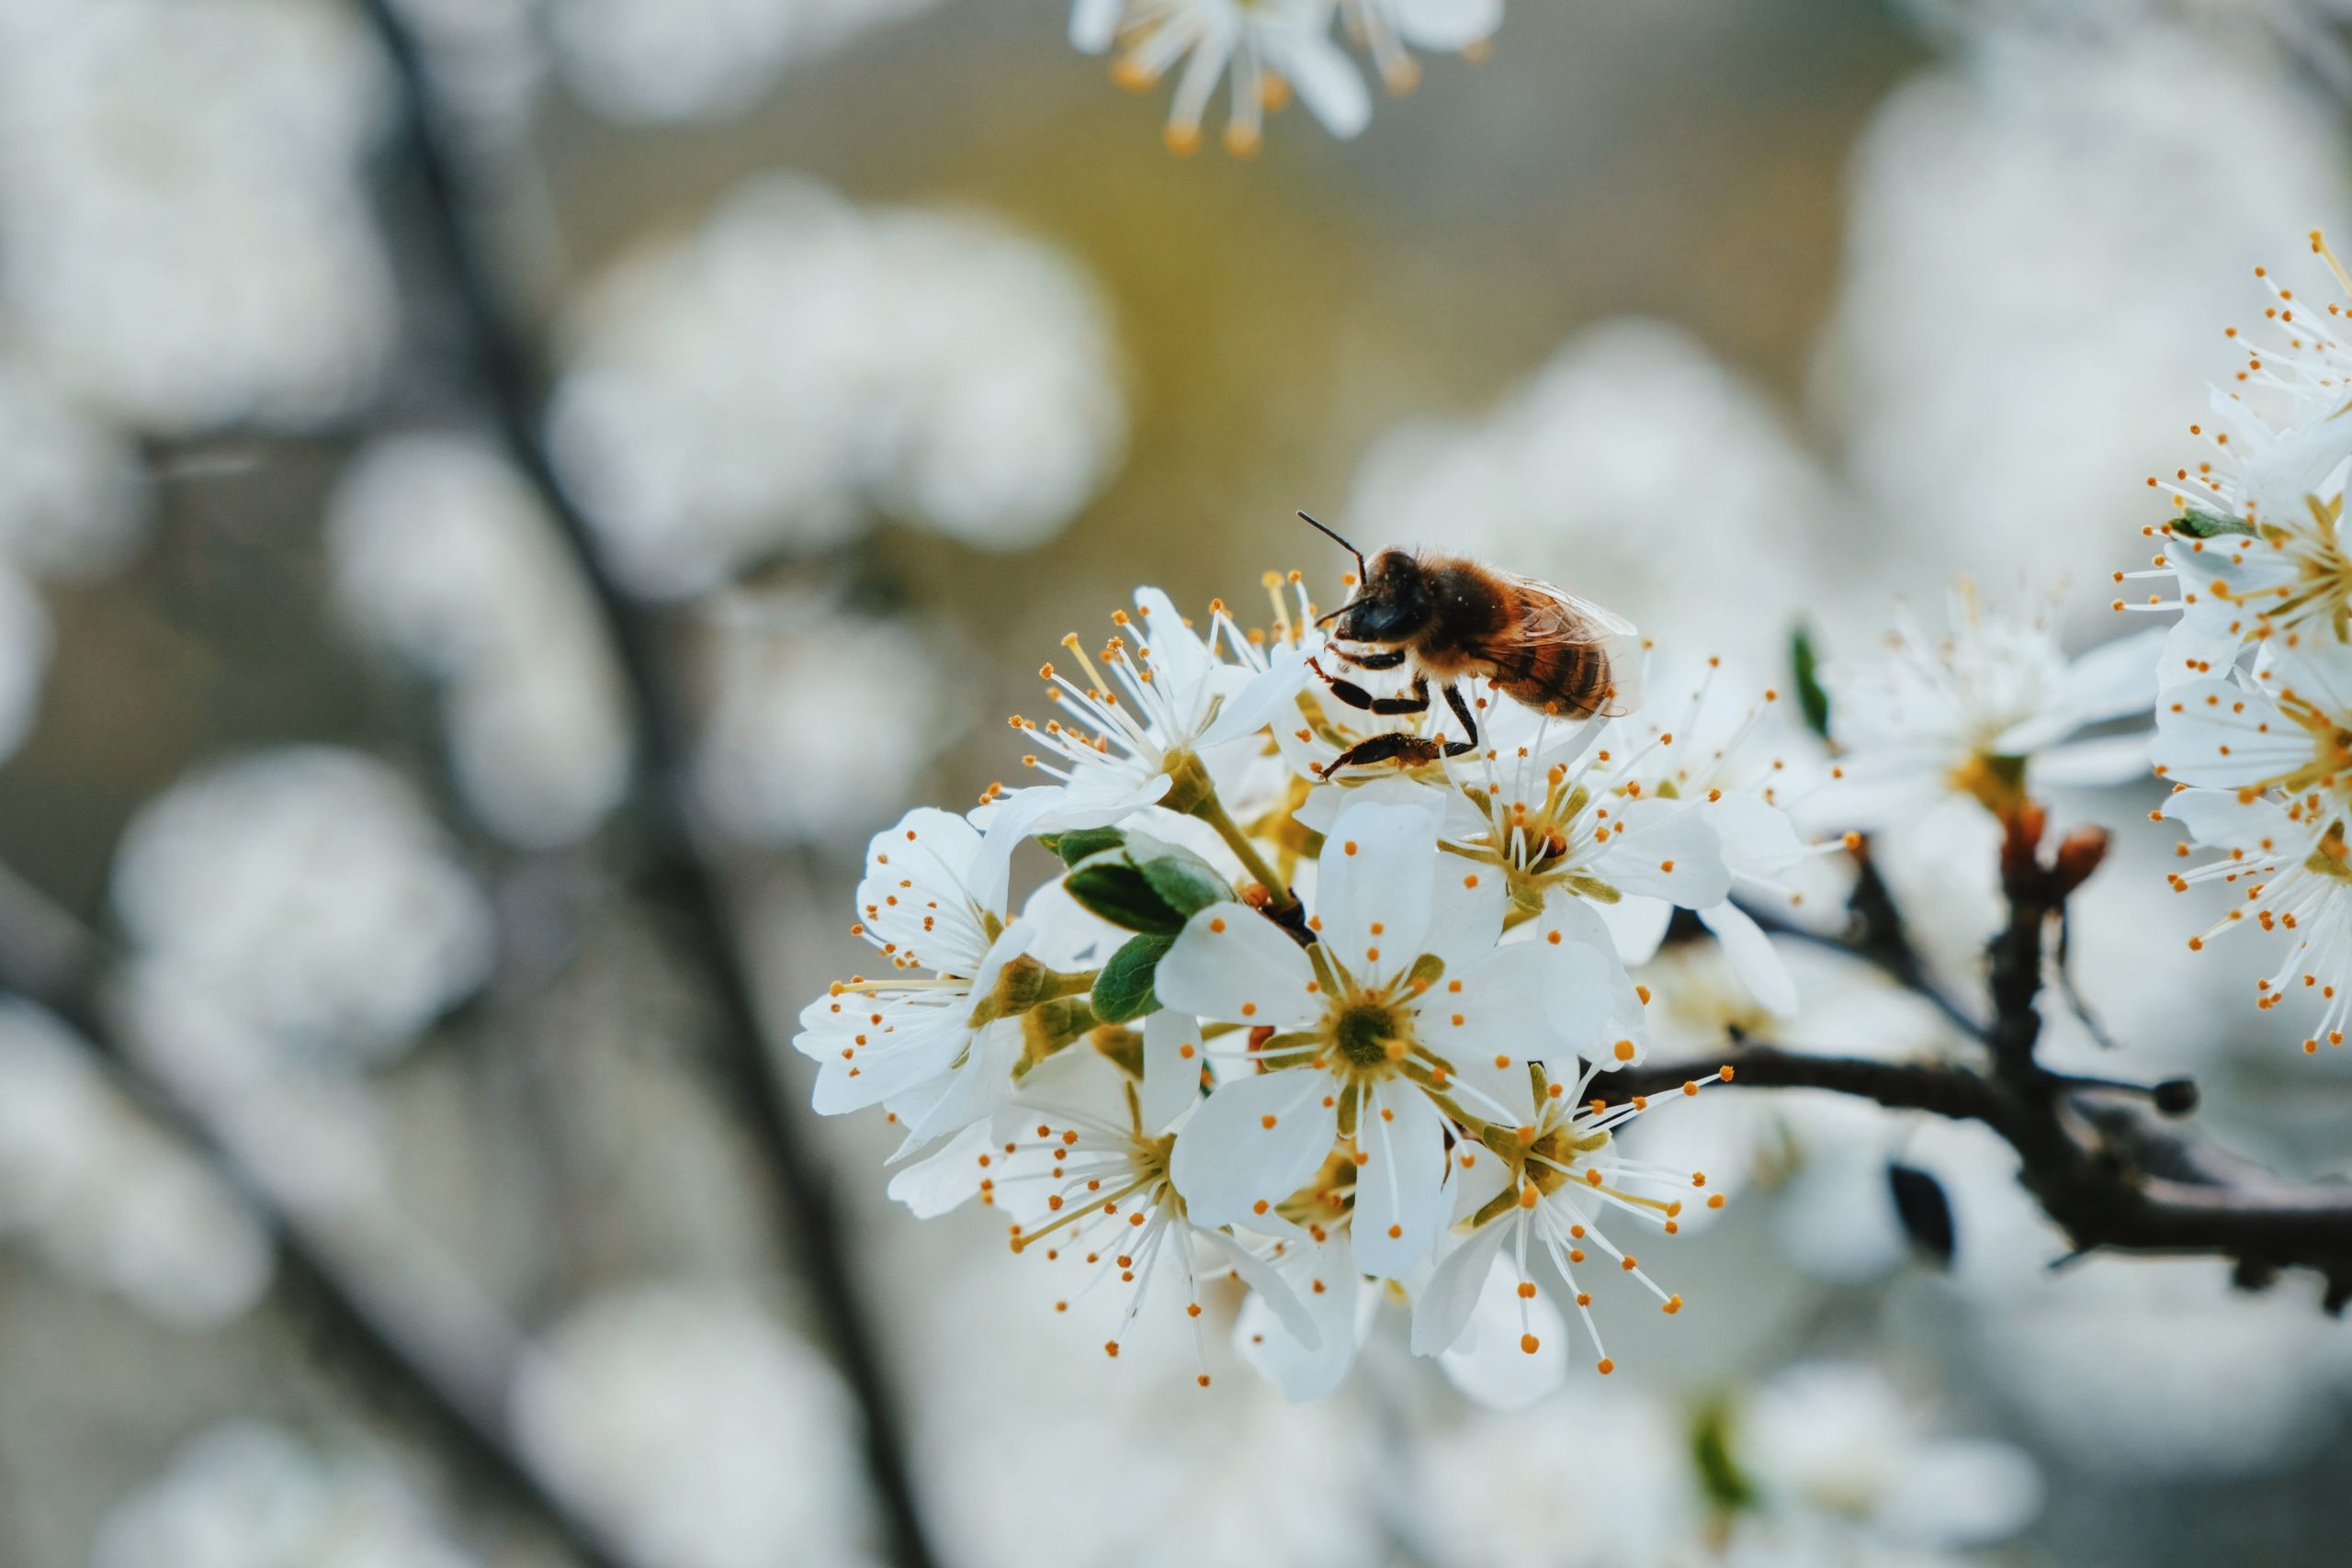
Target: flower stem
[(1212, 811)]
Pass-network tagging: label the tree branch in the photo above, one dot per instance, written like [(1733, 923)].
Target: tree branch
[(662, 805), (2109, 1173), (49, 959)]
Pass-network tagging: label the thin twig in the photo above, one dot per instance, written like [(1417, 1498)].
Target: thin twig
[(664, 814), (49, 959), (2111, 1175)]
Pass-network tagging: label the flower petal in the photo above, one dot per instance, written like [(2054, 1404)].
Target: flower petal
[(2212, 732), (1233, 964), (1664, 849), (1342, 1310), (933, 1186), (1441, 1312), (2115, 678), (1491, 1363), (1375, 881), (1258, 1138), (1401, 1201), (1753, 958), (1171, 1067)]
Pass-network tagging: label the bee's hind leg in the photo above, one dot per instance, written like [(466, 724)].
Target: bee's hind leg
[(1412, 751)]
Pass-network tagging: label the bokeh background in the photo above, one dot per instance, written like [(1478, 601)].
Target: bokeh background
[(378, 1158)]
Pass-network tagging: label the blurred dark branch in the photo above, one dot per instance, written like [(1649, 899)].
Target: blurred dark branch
[(1874, 934), (2098, 1156), (512, 381), (49, 959)]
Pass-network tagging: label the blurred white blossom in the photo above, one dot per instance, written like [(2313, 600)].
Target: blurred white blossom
[(24, 641), (308, 891), (246, 1495), (801, 363), (189, 244), (680, 60), (1987, 712), (1636, 469), (700, 1433), (71, 497), (1836, 1440), (1268, 46), (822, 719), (1595, 1477), (443, 553), (2040, 216), (107, 1196)]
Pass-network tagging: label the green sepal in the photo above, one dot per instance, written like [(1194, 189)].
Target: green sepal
[(1111, 886), (2209, 526), (1079, 843), (1812, 701), (1147, 886), (1124, 990)]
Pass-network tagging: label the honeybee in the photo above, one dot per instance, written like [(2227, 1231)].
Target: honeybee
[(1449, 616)]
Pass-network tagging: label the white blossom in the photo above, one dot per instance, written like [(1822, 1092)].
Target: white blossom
[(1835, 1440), (1988, 712), (698, 1431), (1404, 1006), (938, 1051), (1390, 29), (2258, 550), (189, 243), (106, 1196), (244, 1495), (768, 383), (307, 890), (1085, 1174), (442, 552), (2012, 224), (1268, 46), (687, 60), (2268, 786), (1539, 1190), (1121, 743), (822, 720)]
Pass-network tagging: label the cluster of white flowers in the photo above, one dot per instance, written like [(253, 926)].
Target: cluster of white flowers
[(188, 238), (786, 668), (249, 1495), (442, 553), (2011, 224), (2258, 746), (108, 1197), (768, 384), (1344, 1033), (308, 892), (697, 1431), (681, 59), (1272, 48)]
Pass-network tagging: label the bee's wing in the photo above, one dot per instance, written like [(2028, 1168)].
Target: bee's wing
[(1558, 618)]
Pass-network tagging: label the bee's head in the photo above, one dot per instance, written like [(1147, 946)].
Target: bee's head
[(1392, 604)]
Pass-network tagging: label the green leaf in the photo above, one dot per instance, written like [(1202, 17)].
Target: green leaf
[(1111, 886), (1124, 990), (1080, 842), (1188, 882), (1811, 701), (1721, 1480), (2208, 525)]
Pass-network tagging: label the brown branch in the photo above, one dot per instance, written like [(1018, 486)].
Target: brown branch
[(662, 809), (2111, 1173), (49, 959)]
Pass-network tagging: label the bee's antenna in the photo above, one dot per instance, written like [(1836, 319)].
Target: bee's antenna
[(1363, 573)]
